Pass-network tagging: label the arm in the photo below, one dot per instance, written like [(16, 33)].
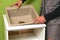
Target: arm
[(54, 14), (18, 3)]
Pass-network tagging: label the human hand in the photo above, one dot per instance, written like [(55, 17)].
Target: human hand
[(18, 4), (40, 19)]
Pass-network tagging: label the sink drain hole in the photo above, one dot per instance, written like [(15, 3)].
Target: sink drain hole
[(21, 22)]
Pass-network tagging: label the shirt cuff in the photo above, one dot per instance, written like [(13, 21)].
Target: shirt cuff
[(23, 1), (54, 14)]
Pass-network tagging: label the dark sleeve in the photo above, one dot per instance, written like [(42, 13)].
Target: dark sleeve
[(23, 1), (54, 14)]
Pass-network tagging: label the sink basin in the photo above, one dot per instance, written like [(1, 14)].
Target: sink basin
[(23, 15)]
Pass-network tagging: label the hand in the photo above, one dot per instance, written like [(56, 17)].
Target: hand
[(40, 19), (18, 4), (50, 38)]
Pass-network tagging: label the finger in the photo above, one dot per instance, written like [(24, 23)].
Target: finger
[(38, 20), (19, 3), (18, 7), (41, 21), (35, 20)]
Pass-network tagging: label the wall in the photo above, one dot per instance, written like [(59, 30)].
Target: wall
[(5, 3)]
